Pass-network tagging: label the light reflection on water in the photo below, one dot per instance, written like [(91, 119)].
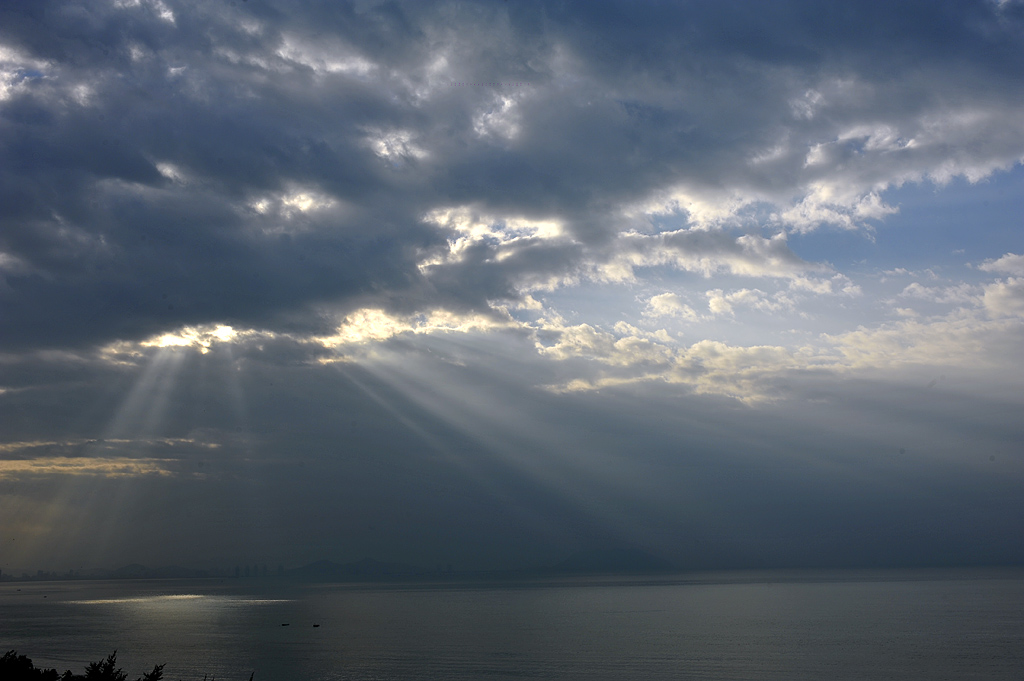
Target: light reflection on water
[(856, 628), (147, 599), (215, 601)]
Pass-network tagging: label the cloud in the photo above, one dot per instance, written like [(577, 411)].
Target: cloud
[(959, 294), (309, 145), (584, 341), (93, 466), (369, 325), (704, 252), (1011, 263), (104, 458), (747, 374), (723, 303), (960, 339), (824, 207), (963, 339), (669, 305), (1005, 298)]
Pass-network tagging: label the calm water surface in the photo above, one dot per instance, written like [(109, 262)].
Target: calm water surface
[(866, 626)]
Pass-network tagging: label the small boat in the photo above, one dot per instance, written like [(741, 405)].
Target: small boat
[(315, 626), (285, 624)]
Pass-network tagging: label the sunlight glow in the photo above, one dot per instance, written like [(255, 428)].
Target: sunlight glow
[(394, 146), (322, 59), (703, 209), (108, 443), (305, 202), (201, 338), (96, 466), (471, 227), (290, 204), (16, 71), (374, 324), (500, 119), (171, 172), (143, 599)]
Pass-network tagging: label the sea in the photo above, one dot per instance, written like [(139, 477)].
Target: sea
[(791, 626)]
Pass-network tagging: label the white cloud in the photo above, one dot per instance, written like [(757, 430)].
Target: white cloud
[(707, 367), (876, 138), (324, 57), (159, 8), (964, 338), (837, 284), (958, 294), (826, 204), (1005, 298), (202, 338), (1011, 263), (498, 118), (720, 302), (368, 325), (703, 208), (17, 71), (806, 106), (626, 329), (395, 146), (502, 236), (279, 212), (669, 305), (705, 252), (173, 172), (586, 342)]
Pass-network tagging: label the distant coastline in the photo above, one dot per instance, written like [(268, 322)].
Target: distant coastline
[(610, 561)]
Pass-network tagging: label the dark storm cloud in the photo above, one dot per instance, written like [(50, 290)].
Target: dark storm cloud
[(115, 248), (136, 137)]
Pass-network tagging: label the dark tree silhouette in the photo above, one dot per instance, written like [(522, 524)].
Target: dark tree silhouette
[(155, 675), (104, 670), (14, 667)]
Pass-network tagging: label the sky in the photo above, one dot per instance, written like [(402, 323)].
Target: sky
[(489, 283)]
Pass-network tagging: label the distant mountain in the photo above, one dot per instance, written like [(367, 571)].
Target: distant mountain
[(615, 561), (366, 569), (133, 571), (136, 571)]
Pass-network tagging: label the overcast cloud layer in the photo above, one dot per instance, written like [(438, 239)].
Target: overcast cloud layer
[(486, 283)]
